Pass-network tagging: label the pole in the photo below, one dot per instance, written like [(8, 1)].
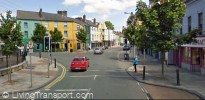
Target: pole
[(48, 63), (51, 54), (30, 69), (143, 72), (55, 62), (178, 80), (134, 50)]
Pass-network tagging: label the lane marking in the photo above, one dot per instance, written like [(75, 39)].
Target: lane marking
[(95, 77), (66, 90), (83, 76), (59, 78)]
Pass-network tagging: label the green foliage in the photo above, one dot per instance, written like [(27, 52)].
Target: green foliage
[(39, 33), (56, 35), (82, 35), (109, 25), (131, 19), (10, 33), (160, 21)]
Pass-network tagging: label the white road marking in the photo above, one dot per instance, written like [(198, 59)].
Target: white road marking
[(99, 75), (47, 89), (83, 76), (95, 77)]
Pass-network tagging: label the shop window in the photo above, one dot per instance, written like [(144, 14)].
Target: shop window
[(203, 58), (186, 55), (195, 56)]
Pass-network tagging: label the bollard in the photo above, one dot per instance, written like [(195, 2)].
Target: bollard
[(143, 72), (55, 62), (178, 80), (17, 59)]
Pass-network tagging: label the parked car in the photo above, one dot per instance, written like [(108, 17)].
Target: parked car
[(103, 47), (79, 63), (98, 50), (126, 47)]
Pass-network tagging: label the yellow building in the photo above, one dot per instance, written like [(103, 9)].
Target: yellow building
[(67, 26)]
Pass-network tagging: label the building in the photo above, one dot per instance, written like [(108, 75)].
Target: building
[(192, 56), (66, 25)]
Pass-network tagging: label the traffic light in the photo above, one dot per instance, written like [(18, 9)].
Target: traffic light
[(46, 43)]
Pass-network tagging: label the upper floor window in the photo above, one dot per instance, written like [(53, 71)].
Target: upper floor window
[(26, 34), (200, 21), (189, 24), (55, 24), (65, 24), (46, 24), (65, 34), (25, 25), (78, 27)]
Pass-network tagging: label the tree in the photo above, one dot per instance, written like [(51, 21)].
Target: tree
[(161, 21), (82, 34), (38, 35), (109, 25), (10, 34), (56, 36)]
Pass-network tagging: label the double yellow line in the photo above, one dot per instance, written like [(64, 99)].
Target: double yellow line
[(59, 78)]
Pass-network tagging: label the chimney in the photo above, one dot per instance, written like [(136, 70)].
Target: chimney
[(94, 21), (84, 18), (62, 13), (40, 12)]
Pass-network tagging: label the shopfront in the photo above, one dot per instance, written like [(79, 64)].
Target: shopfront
[(193, 56)]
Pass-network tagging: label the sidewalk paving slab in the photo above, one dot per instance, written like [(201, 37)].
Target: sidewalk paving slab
[(21, 78), (189, 81)]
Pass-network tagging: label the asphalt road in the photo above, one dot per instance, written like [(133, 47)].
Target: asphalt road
[(106, 78)]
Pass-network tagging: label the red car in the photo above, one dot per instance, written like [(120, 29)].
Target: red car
[(79, 63)]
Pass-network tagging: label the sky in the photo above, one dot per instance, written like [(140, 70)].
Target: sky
[(102, 10)]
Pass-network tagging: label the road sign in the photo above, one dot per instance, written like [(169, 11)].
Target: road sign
[(30, 44)]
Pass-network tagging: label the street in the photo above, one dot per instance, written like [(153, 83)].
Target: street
[(105, 78)]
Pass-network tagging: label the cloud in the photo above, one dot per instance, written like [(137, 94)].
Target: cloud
[(104, 8)]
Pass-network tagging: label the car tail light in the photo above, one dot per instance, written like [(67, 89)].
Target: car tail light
[(72, 63)]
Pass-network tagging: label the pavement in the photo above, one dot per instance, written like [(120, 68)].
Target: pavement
[(21, 80), (189, 81)]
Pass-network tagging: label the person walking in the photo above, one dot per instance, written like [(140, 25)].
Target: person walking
[(135, 63)]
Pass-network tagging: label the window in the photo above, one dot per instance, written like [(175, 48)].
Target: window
[(26, 34), (200, 23), (46, 24), (25, 25), (65, 33), (78, 27), (65, 24), (186, 54), (70, 45), (55, 24), (189, 24)]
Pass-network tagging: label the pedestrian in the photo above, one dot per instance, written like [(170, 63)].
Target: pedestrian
[(135, 63)]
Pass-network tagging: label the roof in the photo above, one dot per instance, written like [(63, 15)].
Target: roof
[(87, 22), (30, 15), (78, 21)]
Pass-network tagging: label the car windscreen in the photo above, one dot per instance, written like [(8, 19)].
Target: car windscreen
[(78, 59), (97, 49)]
